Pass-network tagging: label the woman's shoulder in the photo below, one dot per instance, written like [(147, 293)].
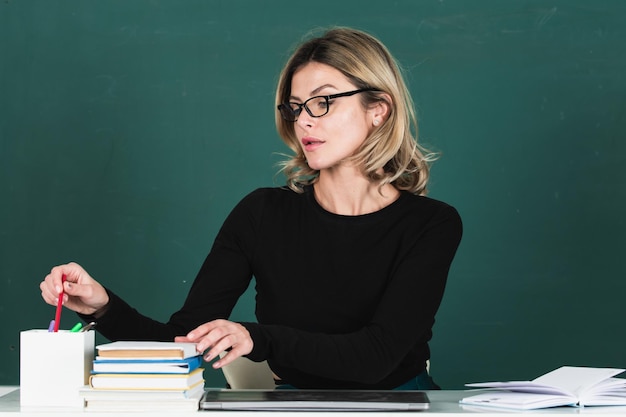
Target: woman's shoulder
[(270, 193), (271, 196), (428, 206), (425, 202)]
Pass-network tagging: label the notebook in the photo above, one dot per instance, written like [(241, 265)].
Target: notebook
[(314, 400)]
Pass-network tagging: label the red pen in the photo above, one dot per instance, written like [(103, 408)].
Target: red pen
[(57, 317)]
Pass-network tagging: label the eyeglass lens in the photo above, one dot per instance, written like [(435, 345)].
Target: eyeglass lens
[(315, 106)]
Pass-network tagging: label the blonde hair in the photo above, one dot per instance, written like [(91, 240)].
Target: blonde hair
[(391, 153)]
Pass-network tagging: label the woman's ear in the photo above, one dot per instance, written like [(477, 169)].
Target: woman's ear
[(381, 109)]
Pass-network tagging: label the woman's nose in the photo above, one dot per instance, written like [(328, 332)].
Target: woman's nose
[(305, 120)]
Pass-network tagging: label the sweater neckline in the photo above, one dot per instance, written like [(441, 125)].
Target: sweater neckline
[(310, 195)]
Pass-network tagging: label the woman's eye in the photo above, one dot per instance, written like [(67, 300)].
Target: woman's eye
[(323, 104)]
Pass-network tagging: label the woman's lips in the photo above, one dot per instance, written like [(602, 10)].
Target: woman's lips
[(310, 144)]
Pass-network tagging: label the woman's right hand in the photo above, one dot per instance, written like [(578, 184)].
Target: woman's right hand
[(81, 293)]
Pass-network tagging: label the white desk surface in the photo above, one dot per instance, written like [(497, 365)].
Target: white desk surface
[(443, 403)]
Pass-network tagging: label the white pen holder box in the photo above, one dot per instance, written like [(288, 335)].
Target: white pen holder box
[(54, 366)]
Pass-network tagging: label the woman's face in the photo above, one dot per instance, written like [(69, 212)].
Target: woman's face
[(328, 140)]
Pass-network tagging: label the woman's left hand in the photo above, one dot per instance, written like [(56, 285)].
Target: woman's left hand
[(218, 336)]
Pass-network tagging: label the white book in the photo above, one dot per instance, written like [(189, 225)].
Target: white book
[(142, 400), (146, 381), (160, 407), (565, 386), (138, 395), (146, 349), (147, 366)]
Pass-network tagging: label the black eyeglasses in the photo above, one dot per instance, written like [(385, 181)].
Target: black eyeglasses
[(316, 106)]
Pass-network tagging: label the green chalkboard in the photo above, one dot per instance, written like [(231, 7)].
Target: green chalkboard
[(129, 129)]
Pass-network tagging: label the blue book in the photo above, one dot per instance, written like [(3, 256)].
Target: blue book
[(147, 366)]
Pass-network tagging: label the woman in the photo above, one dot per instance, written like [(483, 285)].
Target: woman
[(350, 260)]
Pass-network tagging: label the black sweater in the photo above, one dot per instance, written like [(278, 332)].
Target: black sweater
[(342, 301)]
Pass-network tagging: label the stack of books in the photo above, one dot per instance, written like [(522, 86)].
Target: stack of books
[(144, 376)]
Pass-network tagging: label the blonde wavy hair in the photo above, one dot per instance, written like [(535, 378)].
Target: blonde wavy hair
[(391, 154)]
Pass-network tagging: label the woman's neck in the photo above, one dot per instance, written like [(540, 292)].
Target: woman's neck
[(352, 194)]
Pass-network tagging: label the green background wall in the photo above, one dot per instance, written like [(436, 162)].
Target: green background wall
[(129, 129)]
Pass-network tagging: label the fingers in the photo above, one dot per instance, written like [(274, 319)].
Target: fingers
[(48, 294), (81, 292), (78, 290), (230, 356), (73, 272), (218, 336), (52, 285)]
